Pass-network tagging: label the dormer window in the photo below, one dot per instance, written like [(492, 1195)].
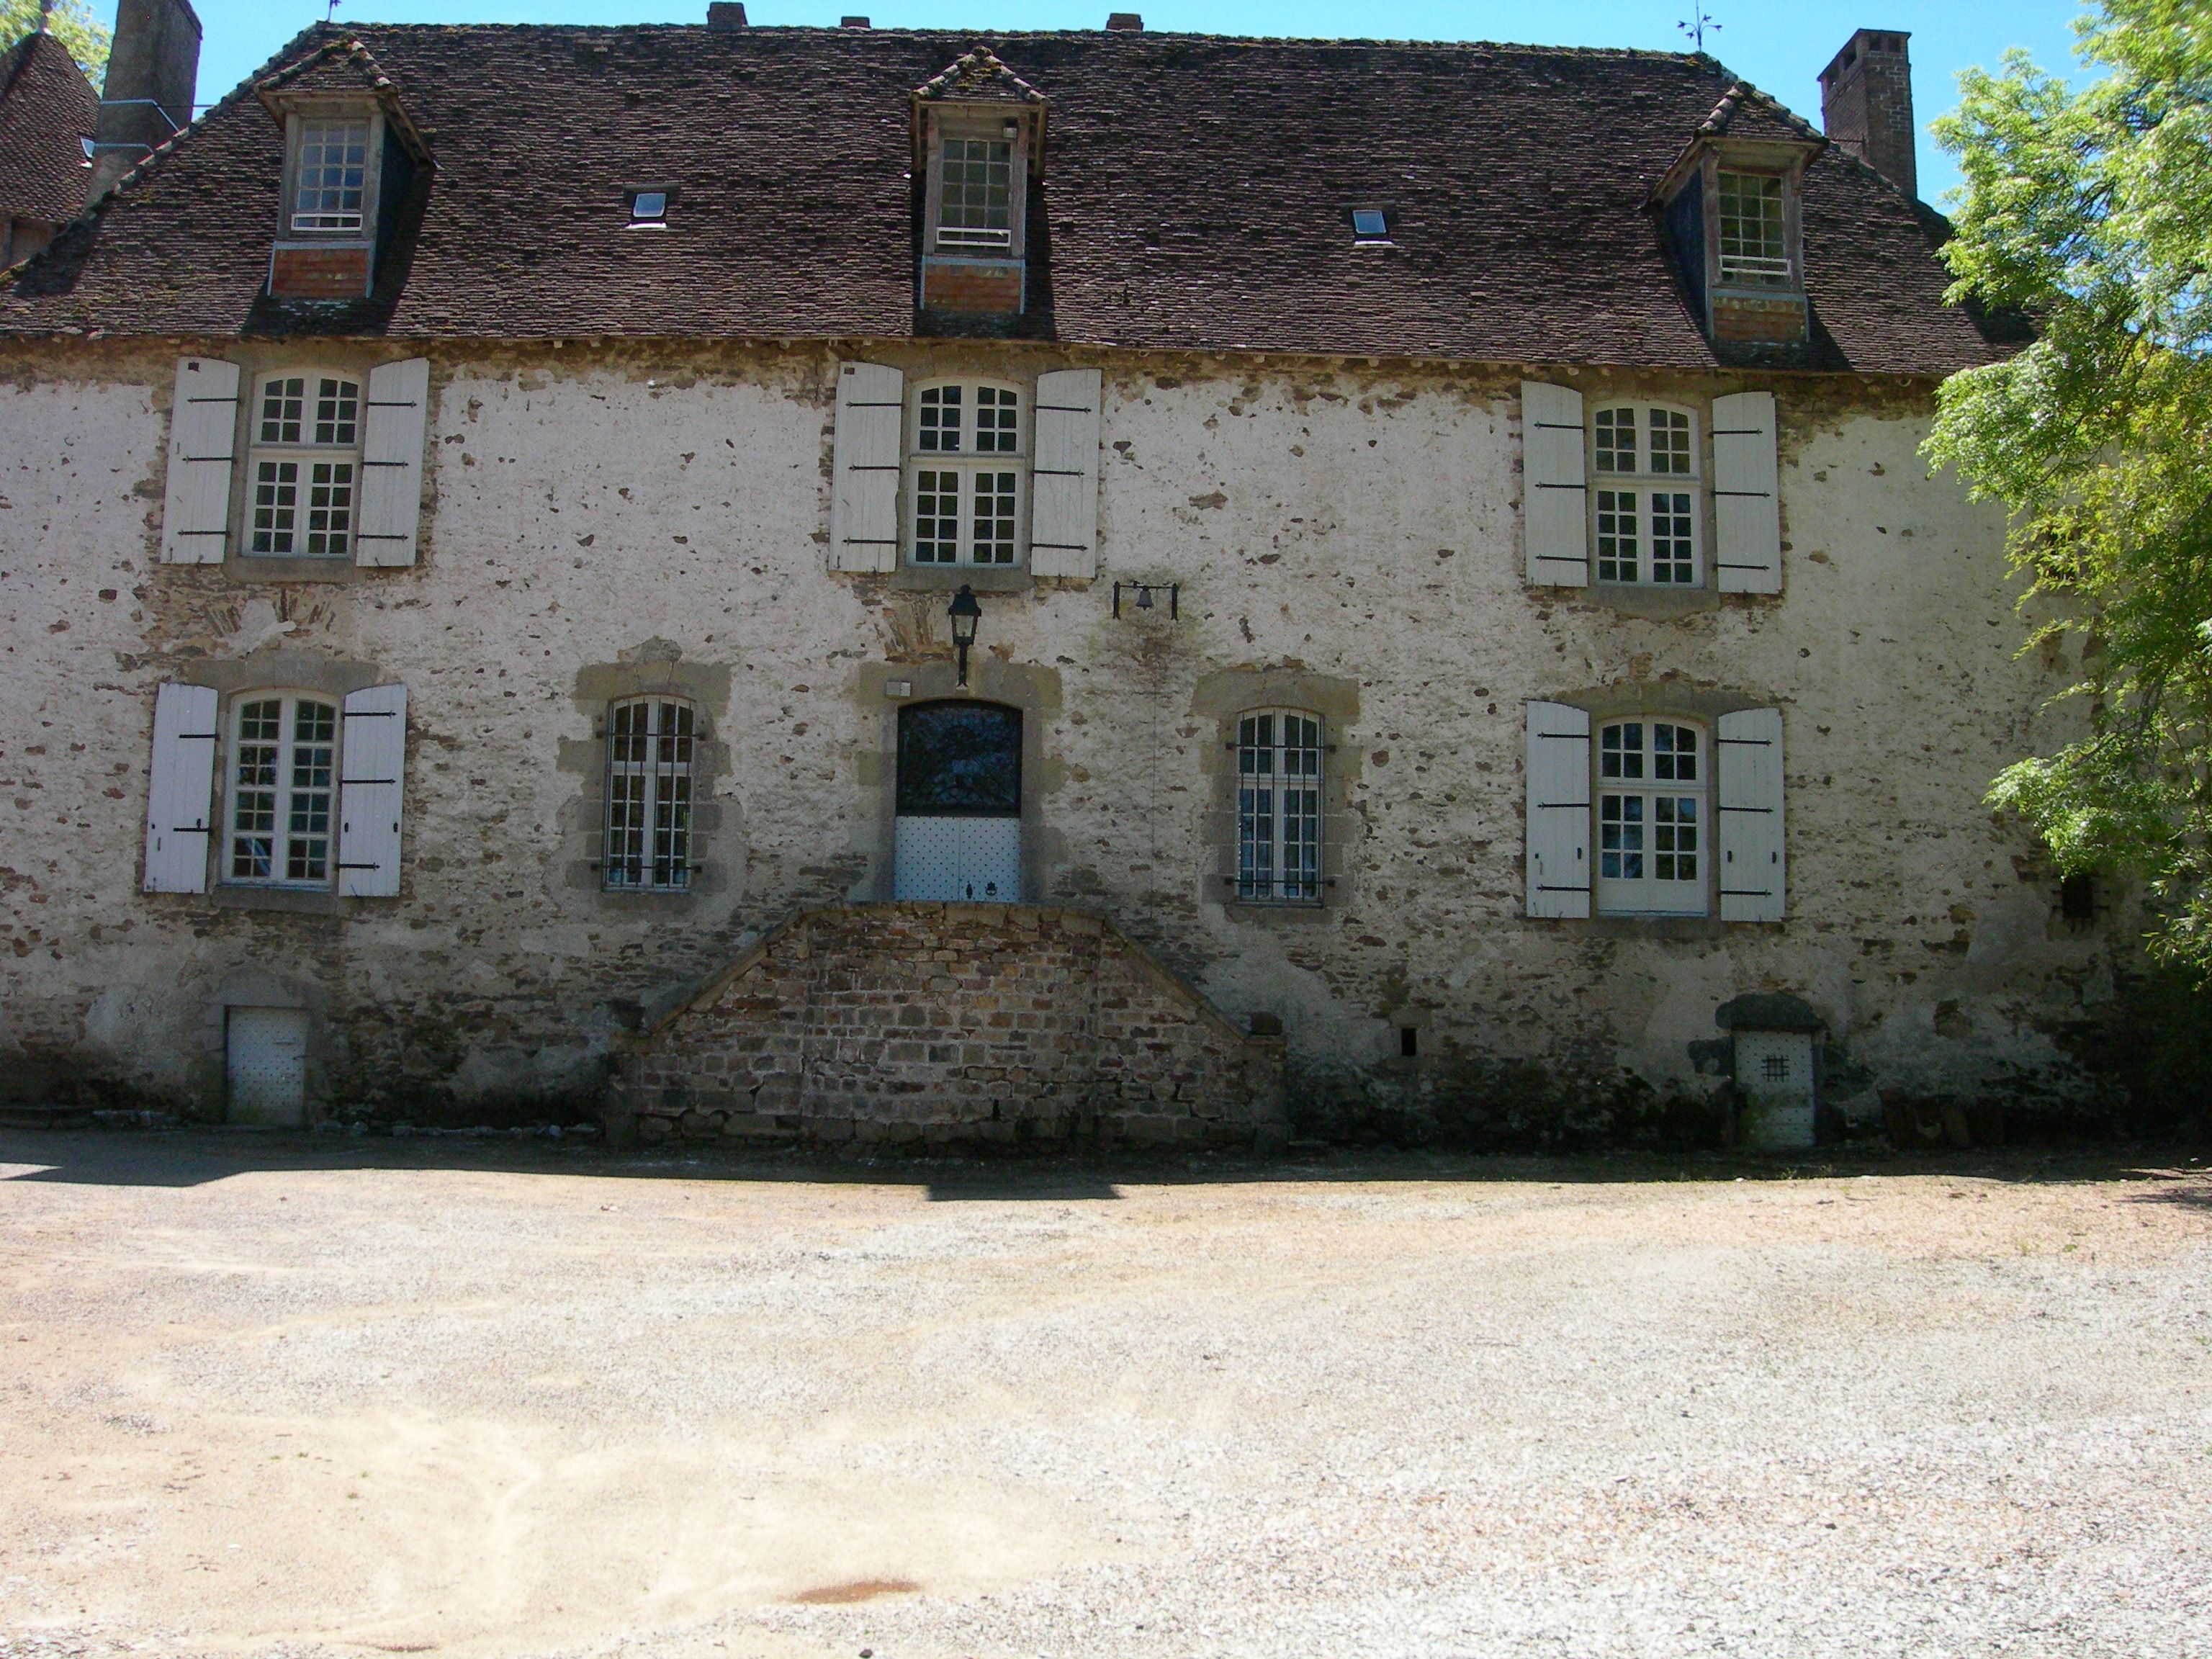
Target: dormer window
[(979, 143), (975, 193), (331, 179), (1754, 245)]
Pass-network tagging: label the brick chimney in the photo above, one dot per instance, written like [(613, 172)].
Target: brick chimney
[(153, 69), (726, 14), (1866, 105)]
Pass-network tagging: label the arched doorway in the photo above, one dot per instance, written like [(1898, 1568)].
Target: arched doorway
[(959, 805)]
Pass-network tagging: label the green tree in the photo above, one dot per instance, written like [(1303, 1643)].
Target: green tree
[(2091, 212), (70, 21)]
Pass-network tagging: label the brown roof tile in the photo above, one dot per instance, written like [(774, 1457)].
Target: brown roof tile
[(46, 106), (1196, 197)]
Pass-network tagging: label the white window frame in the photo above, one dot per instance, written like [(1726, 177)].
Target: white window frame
[(990, 127), (341, 460), (289, 794), (649, 821), (997, 151), (1761, 270), (1681, 489), (1279, 846), (343, 225), (1637, 800), (966, 466)]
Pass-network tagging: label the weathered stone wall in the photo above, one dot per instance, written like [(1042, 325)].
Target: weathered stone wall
[(613, 519), (946, 1023)]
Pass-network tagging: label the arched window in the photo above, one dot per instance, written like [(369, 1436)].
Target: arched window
[(1653, 839), (283, 785), (965, 474), (306, 465), (1645, 495), (1278, 783), (649, 755)]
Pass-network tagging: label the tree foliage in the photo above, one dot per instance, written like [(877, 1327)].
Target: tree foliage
[(2091, 212), (71, 22)]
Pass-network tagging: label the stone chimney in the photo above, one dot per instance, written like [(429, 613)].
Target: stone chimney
[(726, 14), (153, 69), (1866, 105)]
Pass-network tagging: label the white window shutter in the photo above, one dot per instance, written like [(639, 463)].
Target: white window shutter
[(1749, 768), (1064, 488), (392, 429), (864, 469), (1559, 816), (1554, 491), (372, 782), (180, 793), (202, 444), (1746, 507)]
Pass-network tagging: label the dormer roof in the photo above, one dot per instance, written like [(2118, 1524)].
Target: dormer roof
[(977, 77), (341, 67)]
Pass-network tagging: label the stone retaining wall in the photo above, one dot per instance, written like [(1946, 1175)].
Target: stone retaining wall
[(951, 1024)]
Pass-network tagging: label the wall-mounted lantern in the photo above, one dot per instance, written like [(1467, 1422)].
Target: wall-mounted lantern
[(1144, 591), (965, 614)]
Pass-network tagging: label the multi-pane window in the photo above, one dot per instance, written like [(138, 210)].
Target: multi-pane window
[(976, 194), (1651, 818), (331, 176), (283, 785), (1646, 521), (964, 481), (305, 465), (1753, 245), (650, 745), (1279, 784)]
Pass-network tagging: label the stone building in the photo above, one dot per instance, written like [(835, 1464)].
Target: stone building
[(1460, 638)]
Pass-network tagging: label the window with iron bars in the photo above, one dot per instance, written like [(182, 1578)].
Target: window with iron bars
[(305, 465), (650, 746), (1278, 788)]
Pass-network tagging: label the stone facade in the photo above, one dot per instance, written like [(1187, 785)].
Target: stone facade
[(1346, 536), (951, 1024)]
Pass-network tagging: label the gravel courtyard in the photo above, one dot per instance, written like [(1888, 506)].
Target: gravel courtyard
[(310, 1397)]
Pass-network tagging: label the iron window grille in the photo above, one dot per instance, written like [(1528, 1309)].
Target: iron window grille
[(1651, 818), (650, 751), (283, 789), (1645, 503), (1279, 807), (965, 475), (305, 465)]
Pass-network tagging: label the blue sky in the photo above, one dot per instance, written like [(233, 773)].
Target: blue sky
[(1781, 48)]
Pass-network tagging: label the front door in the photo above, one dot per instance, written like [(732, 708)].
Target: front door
[(960, 824)]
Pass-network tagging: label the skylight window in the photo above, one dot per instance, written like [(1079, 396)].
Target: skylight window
[(1370, 228), (648, 209)]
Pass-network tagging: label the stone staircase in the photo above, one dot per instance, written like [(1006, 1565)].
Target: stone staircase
[(933, 1024)]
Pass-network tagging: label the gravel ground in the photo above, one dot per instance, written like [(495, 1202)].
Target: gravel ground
[(304, 1398)]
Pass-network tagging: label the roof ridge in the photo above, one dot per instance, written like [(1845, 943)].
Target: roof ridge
[(1125, 38)]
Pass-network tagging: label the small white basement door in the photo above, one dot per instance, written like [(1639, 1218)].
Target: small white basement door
[(267, 1054), (1774, 1082)]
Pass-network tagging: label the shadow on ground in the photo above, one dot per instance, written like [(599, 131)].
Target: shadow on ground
[(2182, 1175)]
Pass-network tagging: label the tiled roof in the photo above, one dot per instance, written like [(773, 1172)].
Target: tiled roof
[(1196, 196), (46, 106)]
